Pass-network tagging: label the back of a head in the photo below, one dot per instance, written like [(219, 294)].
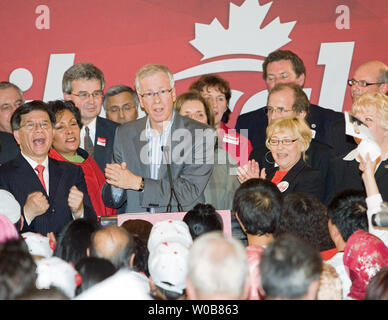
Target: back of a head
[(7, 229), (304, 216), (17, 269), (331, 284), (218, 267), (75, 239), (9, 206), (114, 244), (377, 288), (93, 270), (347, 211), (288, 267), (258, 204), (139, 227), (203, 218)]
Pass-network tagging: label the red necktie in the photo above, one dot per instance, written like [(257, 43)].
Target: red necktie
[(40, 170)]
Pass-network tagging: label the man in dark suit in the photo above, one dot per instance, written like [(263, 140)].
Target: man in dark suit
[(371, 76), (284, 66), (162, 160), (288, 99), (83, 83), (51, 193)]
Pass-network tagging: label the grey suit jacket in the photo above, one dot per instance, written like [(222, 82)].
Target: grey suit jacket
[(191, 154)]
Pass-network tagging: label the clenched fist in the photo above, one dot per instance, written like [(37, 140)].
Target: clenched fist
[(36, 205), (75, 202)]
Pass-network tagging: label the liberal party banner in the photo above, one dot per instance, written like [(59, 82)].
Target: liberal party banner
[(41, 39)]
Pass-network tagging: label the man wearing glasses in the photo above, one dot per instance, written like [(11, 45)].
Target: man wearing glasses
[(51, 193), (284, 66), (371, 76), (121, 104), (83, 83), (289, 100), (162, 162)]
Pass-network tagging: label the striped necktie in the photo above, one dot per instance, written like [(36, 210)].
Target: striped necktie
[(88, 144)]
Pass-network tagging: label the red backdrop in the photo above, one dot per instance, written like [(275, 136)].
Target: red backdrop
[(38, 43)]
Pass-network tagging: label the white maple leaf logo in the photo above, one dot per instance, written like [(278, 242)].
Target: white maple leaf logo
[(244, 35)]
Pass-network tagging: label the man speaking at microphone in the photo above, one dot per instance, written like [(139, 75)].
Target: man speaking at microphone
[(162, 161)]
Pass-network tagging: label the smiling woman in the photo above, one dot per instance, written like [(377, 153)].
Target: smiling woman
[(65, 147)]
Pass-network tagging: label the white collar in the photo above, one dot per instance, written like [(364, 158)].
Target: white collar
[(33, 163)]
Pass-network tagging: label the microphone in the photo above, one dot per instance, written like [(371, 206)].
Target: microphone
[(381, 219), (165, 150)]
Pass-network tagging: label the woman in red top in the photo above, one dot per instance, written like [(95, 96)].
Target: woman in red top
[(66, 141), (217, 93)]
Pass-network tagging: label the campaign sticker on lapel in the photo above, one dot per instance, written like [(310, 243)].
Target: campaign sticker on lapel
[(313, 133), (283, 186), (230, 139), (101, 141)]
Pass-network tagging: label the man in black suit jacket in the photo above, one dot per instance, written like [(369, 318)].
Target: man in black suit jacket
[(284, 66), (288, 99), (83, 83), (51, 193)]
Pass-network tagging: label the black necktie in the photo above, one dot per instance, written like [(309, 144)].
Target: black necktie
[(88, 144)]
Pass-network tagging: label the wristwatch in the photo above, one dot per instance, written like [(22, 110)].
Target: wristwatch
[(141, 188)]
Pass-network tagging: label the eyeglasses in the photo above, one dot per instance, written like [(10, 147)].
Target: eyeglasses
[(125, 108), (83, 95), (362, 83), (160, 93), (269, 109), (44, 125), (286, 142)]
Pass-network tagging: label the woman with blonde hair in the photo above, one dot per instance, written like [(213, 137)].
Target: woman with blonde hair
[(287, 139), (371, 109)]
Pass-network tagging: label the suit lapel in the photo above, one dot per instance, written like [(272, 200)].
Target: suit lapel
[(140, 142), (55, 175)]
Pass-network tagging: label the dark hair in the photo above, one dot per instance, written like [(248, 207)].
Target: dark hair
[(74, 239), (258, 204), (194, 95), (117, 89), (214, 81), (296, 62), (203, 218), (301, 102), (59, 106), (140, 262), (35, 105), (17, 269), (377, 288), (81, 70), (347, 211), (304, 216), (51, 293), (288, 266), (93, 270), (139, 227)]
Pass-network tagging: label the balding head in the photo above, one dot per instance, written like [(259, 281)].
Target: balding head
[(371, 72), (114, 244)]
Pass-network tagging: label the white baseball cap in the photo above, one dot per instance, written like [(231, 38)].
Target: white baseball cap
[(169, 231), (9, 206), (39, 245), (168, 266)]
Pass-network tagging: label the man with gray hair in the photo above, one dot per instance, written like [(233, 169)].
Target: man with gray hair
[(121, 104), (83, 83), (290, 268), (218, 268), (162, 162)]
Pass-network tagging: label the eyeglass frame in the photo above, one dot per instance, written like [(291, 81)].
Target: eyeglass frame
[(151, 95), (30, 126), (282, 110), (364, 85), (288, 143), (88, 94)]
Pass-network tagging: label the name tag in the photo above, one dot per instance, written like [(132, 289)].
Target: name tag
[(230, 139), (313, 133), (101, 141)]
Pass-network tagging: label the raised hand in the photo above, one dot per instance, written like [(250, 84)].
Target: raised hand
[(36, 205), (75, 201)]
